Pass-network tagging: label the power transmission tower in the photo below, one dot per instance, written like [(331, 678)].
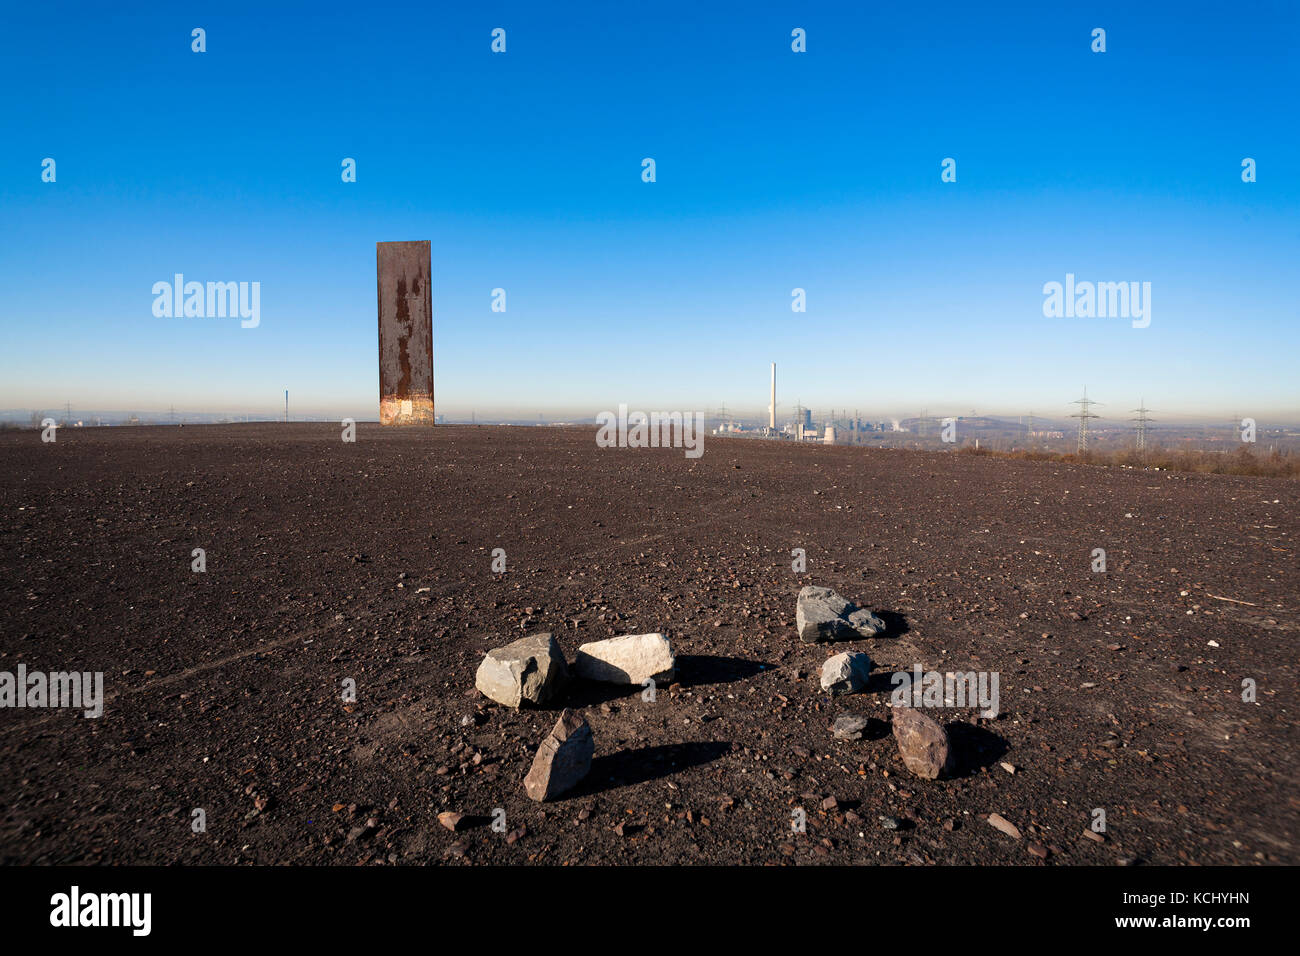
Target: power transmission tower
[(1085, 405), (1142, 421), (1029, 429)]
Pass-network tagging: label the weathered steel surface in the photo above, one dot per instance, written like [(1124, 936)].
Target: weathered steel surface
[(405, 333)]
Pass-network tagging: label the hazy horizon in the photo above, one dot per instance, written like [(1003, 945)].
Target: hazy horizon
[(1122, 416)]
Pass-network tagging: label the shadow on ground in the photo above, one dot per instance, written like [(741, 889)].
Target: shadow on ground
[(585, 693), (895, 623), (974, 747), (630, 767), (881, 682), (695, 669), (692, 670)]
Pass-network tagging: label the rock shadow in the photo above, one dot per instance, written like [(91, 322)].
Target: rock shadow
[(974, 747), (691, 670), (696, 669), (579, 693), (875, 729), (895, 623), (628, 768), (880, 682)]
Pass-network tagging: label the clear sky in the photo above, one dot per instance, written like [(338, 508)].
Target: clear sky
[(775, 170)]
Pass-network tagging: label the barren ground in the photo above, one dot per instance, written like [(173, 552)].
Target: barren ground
[(372, 561)]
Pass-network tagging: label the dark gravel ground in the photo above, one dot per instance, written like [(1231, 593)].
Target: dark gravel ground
[(372, 561)]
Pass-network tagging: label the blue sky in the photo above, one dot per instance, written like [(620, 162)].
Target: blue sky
[(775, 170)]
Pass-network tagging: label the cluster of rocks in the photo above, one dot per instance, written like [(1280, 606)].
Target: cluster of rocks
[(533, 671), (823, 614)]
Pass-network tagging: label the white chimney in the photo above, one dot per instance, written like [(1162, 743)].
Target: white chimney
[(771, 409)]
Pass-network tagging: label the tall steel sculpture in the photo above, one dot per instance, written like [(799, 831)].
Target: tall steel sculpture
[(405, 333)]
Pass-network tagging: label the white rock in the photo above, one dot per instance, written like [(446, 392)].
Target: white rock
[(632, 659), (846, 673)]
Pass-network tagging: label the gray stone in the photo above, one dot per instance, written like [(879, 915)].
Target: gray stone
[(631, 659), (850, 727), (562, 759), (922, 743), (819, 615), (846, 673), (531, 670), (822, 614), (866, 623)]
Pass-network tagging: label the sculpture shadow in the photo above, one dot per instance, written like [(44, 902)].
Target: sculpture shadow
[(628, 768), (974, 748)]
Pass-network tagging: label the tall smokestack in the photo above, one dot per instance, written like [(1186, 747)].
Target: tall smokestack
[(771, 409)]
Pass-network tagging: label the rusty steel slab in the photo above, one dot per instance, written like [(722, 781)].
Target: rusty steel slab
[(405, 333)]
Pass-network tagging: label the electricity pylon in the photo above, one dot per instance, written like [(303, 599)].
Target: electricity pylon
[(1085, 405), (1142, 421)]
